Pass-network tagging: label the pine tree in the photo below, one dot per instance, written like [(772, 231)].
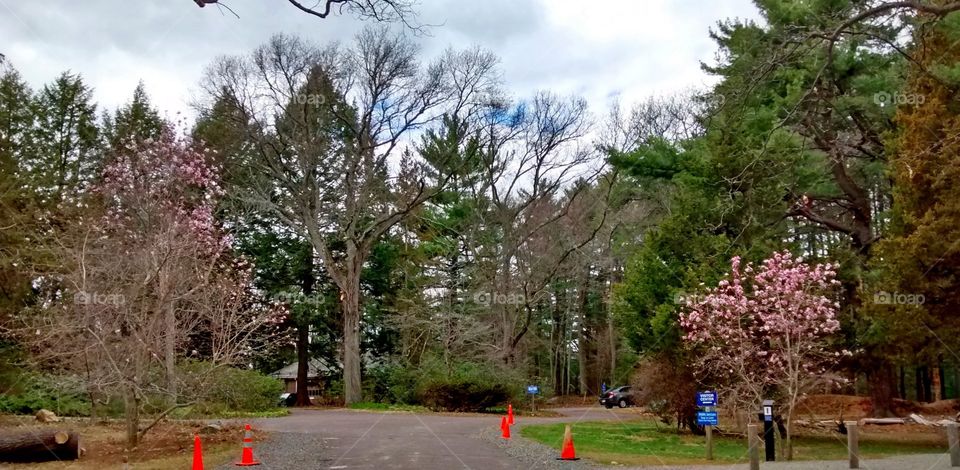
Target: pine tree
[(137, 121), (16, 123), (65, 157)]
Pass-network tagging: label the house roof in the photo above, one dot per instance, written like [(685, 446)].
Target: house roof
[(316, 368)]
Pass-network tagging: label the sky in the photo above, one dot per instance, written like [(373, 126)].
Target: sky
[(603, 50)]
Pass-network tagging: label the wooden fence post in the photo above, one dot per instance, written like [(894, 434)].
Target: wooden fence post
[(853, 443), (953, 440)]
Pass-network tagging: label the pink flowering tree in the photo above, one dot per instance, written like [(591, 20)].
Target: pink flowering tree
[(765, 331), (148, 288)]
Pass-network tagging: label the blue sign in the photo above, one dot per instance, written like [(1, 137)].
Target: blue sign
[(533, 389), (707, 398), (707, 418)]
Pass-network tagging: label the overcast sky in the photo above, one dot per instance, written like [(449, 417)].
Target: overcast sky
[(600, 49)]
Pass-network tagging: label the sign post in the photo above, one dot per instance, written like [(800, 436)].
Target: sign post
[(770, 445), (533, 390), (708, 417)]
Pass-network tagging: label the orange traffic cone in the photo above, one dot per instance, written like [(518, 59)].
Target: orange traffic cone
[(510, 414), (504, 428), (567, 452), (197, 453), (246, 459)]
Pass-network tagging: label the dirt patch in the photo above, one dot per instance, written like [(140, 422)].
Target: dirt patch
[(834, 406), (568, 401), (165, 446), (853, 408)]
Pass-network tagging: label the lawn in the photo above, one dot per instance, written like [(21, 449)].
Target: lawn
[(643, 442)]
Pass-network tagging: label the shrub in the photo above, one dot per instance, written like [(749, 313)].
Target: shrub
[(465, 386), (393, 383), (668, 391), (220, 389), (64, 395), (463, 395)]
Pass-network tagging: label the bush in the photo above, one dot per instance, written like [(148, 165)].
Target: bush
[(392, 383), (464, 396), (667, 390), (228, 389), (465, 386), (64, 395)]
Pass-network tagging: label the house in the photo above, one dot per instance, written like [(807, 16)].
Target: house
[(318, 377)]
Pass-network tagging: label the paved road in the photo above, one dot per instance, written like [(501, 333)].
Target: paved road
[(345, 439), (374, 440)]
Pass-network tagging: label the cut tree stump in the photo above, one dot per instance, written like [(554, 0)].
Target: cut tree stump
[(38, 445)]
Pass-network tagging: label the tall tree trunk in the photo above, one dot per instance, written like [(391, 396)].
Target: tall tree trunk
[(918, 384), (903, 382), (307, 282), (351, 336), (611, 338), (881, 380), (170, 350), (132, 415), (936, 383), (582, 358), (303, 362), (559, 342)]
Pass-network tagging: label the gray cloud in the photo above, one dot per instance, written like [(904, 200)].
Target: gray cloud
[(623, 48)]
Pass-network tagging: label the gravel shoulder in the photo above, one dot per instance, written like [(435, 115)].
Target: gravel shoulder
[(287, 451), (533, 455)]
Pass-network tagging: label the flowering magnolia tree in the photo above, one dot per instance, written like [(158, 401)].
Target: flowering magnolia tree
[(147, 285), (765, 331)]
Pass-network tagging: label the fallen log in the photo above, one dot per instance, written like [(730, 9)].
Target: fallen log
[(882, 421), (921, 420), (38, 445)]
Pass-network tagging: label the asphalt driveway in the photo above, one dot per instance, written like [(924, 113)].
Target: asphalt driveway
[(347, 439)]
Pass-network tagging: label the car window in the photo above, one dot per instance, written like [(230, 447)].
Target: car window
[(624, 389)]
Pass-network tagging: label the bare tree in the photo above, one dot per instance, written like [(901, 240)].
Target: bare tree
[(325, 125)]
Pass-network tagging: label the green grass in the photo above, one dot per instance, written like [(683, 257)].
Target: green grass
[(643, 443), (372, 406)]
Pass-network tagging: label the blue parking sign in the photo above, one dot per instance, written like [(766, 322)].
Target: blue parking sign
[(707, 418), (533, 389)]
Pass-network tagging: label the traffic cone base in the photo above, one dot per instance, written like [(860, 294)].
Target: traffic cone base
[(246, 458), (567, 452), (504, 428), (197, 453)]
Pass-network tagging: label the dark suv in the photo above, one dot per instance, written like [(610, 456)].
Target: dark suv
[(620, 396)]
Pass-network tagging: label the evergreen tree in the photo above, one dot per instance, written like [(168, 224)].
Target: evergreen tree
[(66, 153), (16, 124), (919, 264)]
